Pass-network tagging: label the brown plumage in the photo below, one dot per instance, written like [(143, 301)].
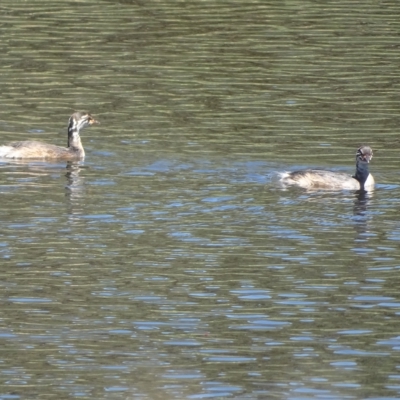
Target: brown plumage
[(321, 179), (35, 149)]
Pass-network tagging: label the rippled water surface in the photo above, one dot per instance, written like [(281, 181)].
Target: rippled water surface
[(169, 264)]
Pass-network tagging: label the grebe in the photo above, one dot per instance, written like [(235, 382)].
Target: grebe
[(320, 179), (34, 149)]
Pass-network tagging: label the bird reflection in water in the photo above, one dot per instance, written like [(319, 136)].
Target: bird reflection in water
[(363, 197), (75, 188)]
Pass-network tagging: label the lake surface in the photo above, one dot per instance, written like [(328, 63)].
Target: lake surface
[(169, 264)]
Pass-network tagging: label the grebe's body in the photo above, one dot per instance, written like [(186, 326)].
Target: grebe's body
[(33, 149), (321, 179)]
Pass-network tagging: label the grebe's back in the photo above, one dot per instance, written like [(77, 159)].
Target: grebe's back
[(322, 179)]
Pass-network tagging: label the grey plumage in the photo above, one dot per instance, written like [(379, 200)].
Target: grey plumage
[(322, 179), (34, 149)]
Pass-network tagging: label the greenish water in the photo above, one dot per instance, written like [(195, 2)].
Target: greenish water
[(168, 265)]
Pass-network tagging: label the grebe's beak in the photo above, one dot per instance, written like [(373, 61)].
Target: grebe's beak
[(367, 157), (92, 121)]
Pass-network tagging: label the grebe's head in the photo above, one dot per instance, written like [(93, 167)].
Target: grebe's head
[(364, 154), (80, 120)]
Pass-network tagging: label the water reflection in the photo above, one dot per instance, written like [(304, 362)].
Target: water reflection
[(363, 221), (75, 183), (363, 198), (75, 189), (171, 268)]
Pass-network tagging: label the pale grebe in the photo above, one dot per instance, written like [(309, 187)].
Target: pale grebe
[(34, 149), (320, 179)]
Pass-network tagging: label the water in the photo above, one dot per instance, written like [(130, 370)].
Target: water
[(168, 264)]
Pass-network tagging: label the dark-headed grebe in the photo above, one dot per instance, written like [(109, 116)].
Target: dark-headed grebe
[(320, 179), (34, 149)]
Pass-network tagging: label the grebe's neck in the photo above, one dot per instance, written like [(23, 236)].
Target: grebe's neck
[(362, 173), (74, 138)]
